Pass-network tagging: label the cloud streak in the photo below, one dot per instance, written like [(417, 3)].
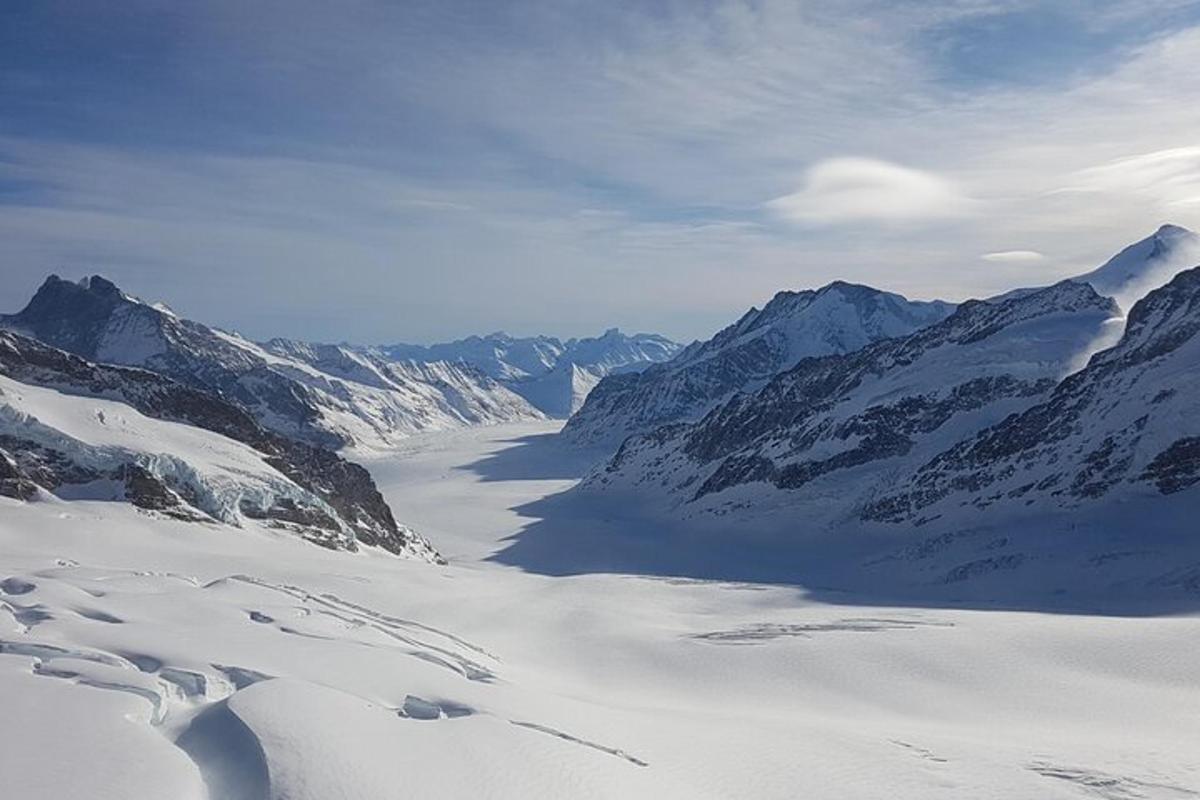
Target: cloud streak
[(1014, 257)]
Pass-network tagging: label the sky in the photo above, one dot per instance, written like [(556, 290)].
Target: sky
[(414, 171)]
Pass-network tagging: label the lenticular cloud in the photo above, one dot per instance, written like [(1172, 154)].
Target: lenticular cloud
[(848, 190)]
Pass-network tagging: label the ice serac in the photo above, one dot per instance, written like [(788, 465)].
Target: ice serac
[(838, 318), (826, 434), (1124, 426), (555, 376), (76, 428), (287, 390)]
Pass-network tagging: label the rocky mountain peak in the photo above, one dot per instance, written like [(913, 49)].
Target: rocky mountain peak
[(69, 314), (57, 295)]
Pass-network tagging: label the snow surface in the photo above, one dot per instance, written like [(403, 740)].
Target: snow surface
[(146, 658)]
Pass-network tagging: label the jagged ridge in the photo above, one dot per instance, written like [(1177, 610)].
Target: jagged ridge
[(837, 318)]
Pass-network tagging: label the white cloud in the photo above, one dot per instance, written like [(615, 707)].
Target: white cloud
[(851, 190), (1014, 256)]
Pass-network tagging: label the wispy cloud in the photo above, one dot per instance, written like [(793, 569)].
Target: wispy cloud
[(1169, 177)]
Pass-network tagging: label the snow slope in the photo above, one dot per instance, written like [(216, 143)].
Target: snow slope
[(554, 375), (838, 318), (149, 658), (289, 392)]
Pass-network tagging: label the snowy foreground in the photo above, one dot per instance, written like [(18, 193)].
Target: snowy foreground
[(145, 658)]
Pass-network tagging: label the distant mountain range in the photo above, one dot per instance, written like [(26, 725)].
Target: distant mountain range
[(328, 395), (1038, 399), (553, 375)]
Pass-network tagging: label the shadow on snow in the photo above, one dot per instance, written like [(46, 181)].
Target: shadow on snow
[(536, 457), (1105, 567)]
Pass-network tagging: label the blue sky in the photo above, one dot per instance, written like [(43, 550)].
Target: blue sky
[(414, 171)]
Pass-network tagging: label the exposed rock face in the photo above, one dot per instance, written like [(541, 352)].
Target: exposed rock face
[(833, 429), (354, 511), (285, 391), (1126, 420), (1177, 467), (838, 318), (13, 482), (147, 491), (44, 466)]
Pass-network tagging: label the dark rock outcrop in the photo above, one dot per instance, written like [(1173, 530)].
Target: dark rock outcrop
[(13, 482)]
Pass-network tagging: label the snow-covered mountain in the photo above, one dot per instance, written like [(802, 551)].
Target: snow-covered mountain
[(1143, 266), (1123, 426), (554, 375), (286, 388), (1007, 405), (82, 430), (401, 397), (832, 429), (1137, 269), (838, 318)]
